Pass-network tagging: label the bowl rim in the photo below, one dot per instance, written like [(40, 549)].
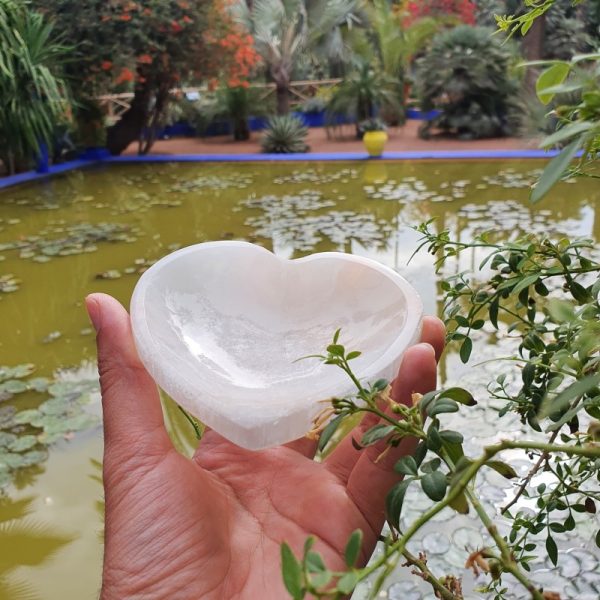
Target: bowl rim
[(408, 335)]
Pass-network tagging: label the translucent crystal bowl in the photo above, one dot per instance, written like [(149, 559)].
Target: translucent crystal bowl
[(221, 326)]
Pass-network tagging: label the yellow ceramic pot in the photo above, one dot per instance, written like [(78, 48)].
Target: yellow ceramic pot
[(375, 142)]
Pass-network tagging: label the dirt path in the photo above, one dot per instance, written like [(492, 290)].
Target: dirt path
[(402, 139)]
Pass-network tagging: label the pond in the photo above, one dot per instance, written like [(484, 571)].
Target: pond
[(98, 229)]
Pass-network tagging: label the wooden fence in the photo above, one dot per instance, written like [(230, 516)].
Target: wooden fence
[(114, 105)]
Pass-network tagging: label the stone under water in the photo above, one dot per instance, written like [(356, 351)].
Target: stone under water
[(221, 326)]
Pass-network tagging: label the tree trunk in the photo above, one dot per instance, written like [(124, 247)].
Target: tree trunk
[(156, 118), (533, 49), (241, 131), (283, 97), (130, 126)]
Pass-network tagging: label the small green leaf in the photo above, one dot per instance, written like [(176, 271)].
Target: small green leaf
[(552, 550), (573, 392), (554, 170), (292, 573), (321, 579), (431, 465), (459, 395), (501, 467), (353, 355), (465, 350), (460, 504), (336, 349), (380, 385), (525, 283), (407, 465), (375, 434), (493, 311), (452, 437), (552, 76), (434, 485), (336, 336), (420, 452), (394, 500), (434, 441), (565, 133), (314, 562), (352, 551), (442, 406), (527, 374), (329, 430), (347, 582)]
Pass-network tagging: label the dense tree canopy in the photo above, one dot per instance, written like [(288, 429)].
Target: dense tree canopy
[(150, 47)]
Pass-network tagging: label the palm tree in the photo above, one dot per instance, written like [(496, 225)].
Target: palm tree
[(285, 31), (383, 52), (32, 96)]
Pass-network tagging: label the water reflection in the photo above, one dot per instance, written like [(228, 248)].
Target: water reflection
[(365, 208)]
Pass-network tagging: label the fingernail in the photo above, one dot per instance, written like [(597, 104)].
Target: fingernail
[(429, 348), (94, 312)]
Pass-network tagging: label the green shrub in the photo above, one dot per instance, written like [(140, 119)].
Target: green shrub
[(285, 134), (363, 93), (33, 98), (465, 75)]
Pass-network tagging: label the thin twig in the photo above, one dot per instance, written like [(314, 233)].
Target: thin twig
[(542, 459), (429, 577)]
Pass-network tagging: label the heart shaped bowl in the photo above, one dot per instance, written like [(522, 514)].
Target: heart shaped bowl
[(221, 326)]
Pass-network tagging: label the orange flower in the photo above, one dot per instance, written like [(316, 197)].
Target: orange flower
[(125, 76), (145, 59), (125, 17), (186, 19), (106, 65), (176, 27)]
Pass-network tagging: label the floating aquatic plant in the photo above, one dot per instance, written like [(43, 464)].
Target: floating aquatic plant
[(290, 220), (65, 240), (214, 182), (8, 283), (25, 435), (315, 176)]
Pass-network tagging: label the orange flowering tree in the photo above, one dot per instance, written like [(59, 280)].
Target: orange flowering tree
[(233, 55), (145, 46), (464, 10), (234, 61)]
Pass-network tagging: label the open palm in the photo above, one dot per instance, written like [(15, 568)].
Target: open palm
[(211, 527)]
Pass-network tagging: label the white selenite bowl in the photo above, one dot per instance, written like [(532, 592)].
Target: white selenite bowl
[(220, 327)]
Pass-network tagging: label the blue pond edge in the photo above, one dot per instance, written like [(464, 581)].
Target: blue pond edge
[(12, 180)]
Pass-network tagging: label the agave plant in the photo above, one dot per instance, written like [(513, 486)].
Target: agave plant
[(33, 96), (285, 134)]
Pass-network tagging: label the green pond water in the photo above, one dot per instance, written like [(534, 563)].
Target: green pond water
[(98, 229)]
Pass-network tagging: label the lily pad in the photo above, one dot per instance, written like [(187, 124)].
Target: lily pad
[(6, 439), (13, 386), (8, 283), (52, 337), (23, 443)]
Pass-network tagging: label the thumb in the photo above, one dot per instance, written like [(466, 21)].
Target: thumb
[(133, 419)]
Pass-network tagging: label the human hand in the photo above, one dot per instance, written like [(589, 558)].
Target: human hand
[(211, 527)]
